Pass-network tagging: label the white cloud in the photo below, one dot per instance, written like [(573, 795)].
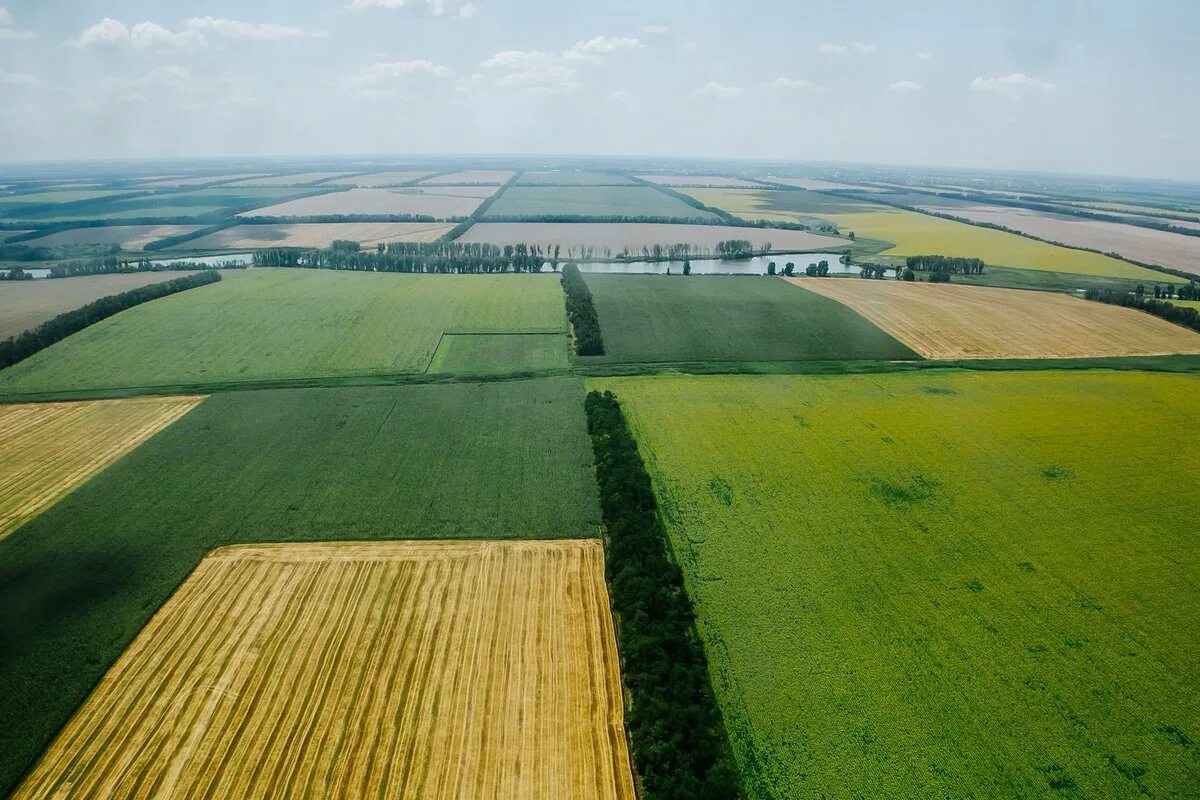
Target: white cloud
[(593, 48), (717, 91), (145, 35), (386, 72), (17, 79), (1011, 84), (237, 29), (921, 55), (905, 87), (834, 49), (453, 9), (516, 59), (655, 30), (8, 27), (620, 95), (798, 85)]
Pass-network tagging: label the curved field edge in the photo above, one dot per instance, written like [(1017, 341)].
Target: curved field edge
[(431, 669), (508, 460), (893, 606)]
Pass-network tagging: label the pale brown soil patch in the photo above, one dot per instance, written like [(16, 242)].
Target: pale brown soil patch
[(948, 321), (346, 670), (47, 449)]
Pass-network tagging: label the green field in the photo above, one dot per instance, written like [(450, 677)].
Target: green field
[(656, 318), (592, 201), (908, 233), (940, 585), (499, 353), (277, 324), (481, 460), (571, 178), (217, 201), (16, 201)]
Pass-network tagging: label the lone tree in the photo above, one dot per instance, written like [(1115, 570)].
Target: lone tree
[(771, 268), (687, 267)]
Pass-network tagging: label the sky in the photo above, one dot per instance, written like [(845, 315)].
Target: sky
[(1083, 86)]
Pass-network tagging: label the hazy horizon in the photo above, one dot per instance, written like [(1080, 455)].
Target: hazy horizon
[(1065, 88)]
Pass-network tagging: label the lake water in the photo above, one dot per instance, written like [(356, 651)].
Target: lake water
[(715, 266), (240, 259)]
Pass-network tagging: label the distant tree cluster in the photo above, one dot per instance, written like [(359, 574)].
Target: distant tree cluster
[(15, 274), (818, 270), (946, 264), (874, 271), (1189, 292), (680, 748), (425, 257), (54, 330), (582, 313), (740, 248), (1186, 316)]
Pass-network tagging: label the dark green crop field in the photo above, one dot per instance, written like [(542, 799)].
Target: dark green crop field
[(655, 318), (484, 460), (592, 201)]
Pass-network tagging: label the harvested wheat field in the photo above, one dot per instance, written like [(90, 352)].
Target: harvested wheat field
[(952, 321), (47, 449), (318, 234), (384, 669)]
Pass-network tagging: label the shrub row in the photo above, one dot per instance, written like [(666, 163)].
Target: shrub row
[(1180, 315), (680, 749), (582, 313), (22, 346)]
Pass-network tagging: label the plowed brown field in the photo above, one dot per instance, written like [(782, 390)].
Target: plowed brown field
[(392, 669), (47, 449), (953, 321)]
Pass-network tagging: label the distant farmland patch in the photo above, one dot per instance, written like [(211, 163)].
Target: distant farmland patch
[(200, 180), (169, 205), (495, 353), (949, 584), (816, 184), (366, 650), (127, 237), (657, 318), (611, 239), (490, 177), (592, 201), (11, 205), (289, 180), (289, 323), (27, 304), (699, 180), (440, 202), (374, 179), (317, 234), (47, 449), (951, 321), (571, 178)]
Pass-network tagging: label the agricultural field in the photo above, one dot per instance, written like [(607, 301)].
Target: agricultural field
[(11, 205), (463, 670), (375, 179), (1185, 303), (27, 304), (815, 184), (771, 205), (47, 449), (488, 177), (127, 237), (200, 180), (657, 318), (317, 234), (939, 585), (1166, 249), (249, 328), (699, 180), (493, 460), (953, 322), (300, 179), (440, 202), (207, 203), (912, 233), (605, 240), (592, 201), (1135, 209), (571, 178), (499, 353)]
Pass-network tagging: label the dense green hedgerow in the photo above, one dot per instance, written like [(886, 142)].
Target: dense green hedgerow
[(582, 313)]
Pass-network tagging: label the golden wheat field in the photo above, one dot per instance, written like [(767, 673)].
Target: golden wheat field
[(385, 669), (954, 321), (47, 449)]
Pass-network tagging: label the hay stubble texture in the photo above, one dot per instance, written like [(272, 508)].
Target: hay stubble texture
[(388, 669)]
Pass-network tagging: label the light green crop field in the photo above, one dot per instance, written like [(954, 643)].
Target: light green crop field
[(940, 585), (592, 201), (275, 324), (489, 460), (497, 353), (912, 233)]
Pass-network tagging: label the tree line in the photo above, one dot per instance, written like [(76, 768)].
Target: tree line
[(1186, 316), (582, 313), (1189, 292), (22, 346), (948, 264), (680, 748), (418, 257)]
